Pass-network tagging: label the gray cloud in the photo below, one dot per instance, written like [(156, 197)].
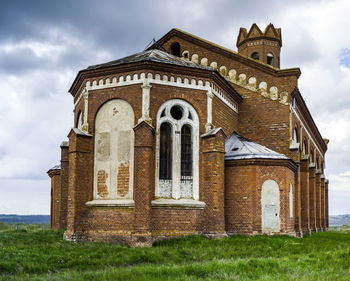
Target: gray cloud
[(44, 43)]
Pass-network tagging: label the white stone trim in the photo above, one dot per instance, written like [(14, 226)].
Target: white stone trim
[(292, 110), (85, 126), (181, 203), (176, 126), (146, 92), (174, 81), (123, 203), (210, 96)]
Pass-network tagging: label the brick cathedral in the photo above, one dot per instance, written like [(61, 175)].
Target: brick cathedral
[(188, 137)]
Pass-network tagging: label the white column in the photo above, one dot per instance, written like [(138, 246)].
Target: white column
[(209, 124), (146, 91), (176, 172), (85, 126)]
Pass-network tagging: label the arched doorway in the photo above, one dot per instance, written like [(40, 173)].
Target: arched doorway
[(270, 207)]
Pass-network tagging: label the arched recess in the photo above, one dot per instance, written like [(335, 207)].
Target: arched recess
[(114, 151), (79, 120), (177, 146), (270, 207)]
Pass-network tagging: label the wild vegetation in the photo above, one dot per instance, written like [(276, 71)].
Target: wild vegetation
[(35, 252)]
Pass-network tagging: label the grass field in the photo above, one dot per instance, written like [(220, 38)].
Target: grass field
[(34, 252)]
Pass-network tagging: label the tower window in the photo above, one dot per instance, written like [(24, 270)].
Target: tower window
[(175, 49), (255, 56), (269, 58)]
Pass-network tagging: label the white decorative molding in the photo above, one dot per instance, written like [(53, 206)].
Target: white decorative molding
[(173, 81), (195, 58), (126, 203), (85, 125), (294, 146), (292, 110), (204, 61), (181, 203), (210, 96), (146, 91)]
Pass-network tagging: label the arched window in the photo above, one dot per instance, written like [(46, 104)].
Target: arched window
[(186, 162), (165, 152), (175, 49), (255, 56), (311, 156), (80, 121), (177, 151), (295, 136), (304, 150), (269, 58)]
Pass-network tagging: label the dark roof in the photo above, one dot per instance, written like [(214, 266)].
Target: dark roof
[(152, 55), (238, 147)]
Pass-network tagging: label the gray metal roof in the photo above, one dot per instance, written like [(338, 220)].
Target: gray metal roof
[(152, 55), (57, 167), (238, 147)]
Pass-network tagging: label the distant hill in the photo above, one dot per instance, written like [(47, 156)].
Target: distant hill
[(339, 220), (30, 219)]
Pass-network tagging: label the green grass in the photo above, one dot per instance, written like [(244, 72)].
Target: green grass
[(34, 252)]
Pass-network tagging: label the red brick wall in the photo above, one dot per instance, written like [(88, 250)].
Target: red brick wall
[(312, 197), (243, 184), (305, 197), (55, 198), (64, 186)]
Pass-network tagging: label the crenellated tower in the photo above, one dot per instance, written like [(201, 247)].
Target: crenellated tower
[(263, 46)]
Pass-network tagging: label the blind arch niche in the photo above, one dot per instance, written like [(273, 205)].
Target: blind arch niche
[(114, 151)]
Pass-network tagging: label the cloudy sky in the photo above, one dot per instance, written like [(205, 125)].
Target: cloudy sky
[(43, 44)]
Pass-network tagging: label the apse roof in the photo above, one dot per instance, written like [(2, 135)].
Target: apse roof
[(238, 147), (154, 55)]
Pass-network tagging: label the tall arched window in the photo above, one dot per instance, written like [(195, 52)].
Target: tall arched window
[(175, 49), (186, 162), (165, 152), (255, 56), (177, 151), (80, 121), (295, 136), (269, 58)]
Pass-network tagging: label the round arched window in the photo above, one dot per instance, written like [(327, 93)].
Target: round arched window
[(255, 56), (269, 58)]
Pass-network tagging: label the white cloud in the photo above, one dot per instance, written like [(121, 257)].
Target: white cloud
[(36, 110)]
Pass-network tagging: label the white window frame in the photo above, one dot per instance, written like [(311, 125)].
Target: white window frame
[(176, 126)]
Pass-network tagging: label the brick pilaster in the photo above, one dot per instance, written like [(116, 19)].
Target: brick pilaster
[(55, 175), (323, 207), (79, 182), (312, 197), (326, 203), (213, 155), (318, 200), (144, 158), (304, 192), (64, 184)]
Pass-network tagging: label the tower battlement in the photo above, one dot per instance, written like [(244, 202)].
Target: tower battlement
[(261, 45)]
